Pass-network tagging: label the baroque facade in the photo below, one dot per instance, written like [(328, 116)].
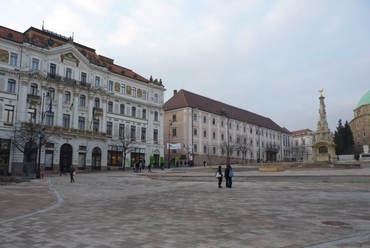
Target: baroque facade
[(200, 129), (83, 103)]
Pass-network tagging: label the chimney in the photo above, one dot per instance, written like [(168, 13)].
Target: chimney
[(174, 92)]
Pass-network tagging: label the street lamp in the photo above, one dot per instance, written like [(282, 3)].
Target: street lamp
[(169, 145), (259, 144), (42, 134), (224, 113), (192, 135)]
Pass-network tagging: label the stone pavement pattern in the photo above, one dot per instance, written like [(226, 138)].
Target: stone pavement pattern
[(120, 209)]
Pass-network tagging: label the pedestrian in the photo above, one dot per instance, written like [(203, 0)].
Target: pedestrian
[(72, 172), (229, 173), (149, 167), (204, 163), (62, 171), (185, 163), (219, 176)]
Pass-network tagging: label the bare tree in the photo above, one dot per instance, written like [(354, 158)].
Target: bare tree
[(227, 147), (242, 146), (127, 142)]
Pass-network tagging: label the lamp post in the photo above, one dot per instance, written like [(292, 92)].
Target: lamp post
[(192, 135), (42, 136), (169, 145), (224, 113), (259, 144)]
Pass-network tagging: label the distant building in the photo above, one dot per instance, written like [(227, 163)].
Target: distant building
[(302, 145), (85, 100), (360, 124), (202, 129)]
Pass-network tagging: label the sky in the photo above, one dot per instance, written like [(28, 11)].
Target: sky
[(267, 57)]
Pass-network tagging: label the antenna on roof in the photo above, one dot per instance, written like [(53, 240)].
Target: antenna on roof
[(42, 25)]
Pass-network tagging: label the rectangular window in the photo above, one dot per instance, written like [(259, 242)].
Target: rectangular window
[(122, 109), (82, 100), (143, 112), (155, 116), (34, 89), (133, 91), (213, 121), (214, 135), (9, 113), (109, 128), (204, 119), (11, 85), (49, 120), (122, 89), (133, 133), (222, 123), (97, 81), (13, 59), (69, 73), (96, 125), (145, 97), (195, 148), (195, 117), (110, 107), (53, 69), (31, 114), (174, 118), (156, 97), (195, 132), (155, 136), (110, 86), (81, 123), (204, 134), (67, 97), (35, 64), (174, 131), (83, 77), (214, 150), (66, 120), (133, 111), (205, 149), (143, 134), (121, 130)]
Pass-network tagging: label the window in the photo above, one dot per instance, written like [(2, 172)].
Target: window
[(67, 97), (9, 113), (31, 114), (66, 120), (174, 131), (222, 123), (174, 118), (110, 85), (133, 133), (156, 97), (155, 136), (68, 73), (96, 125), (133, 91), (82, 100), (110, 107), (303, 142), (195, 148), (143, 134), (11, 85), (205, 149), (83, 77), (244, 129), (214, 150), (195, 132), (364, 133), (195, 116), (97, 81), (34, 89), (51, 93), (214, 135), (35, 64), (81, 123), (133, 111), (230, 138), (97, 103), (53, 69), (145, 97), (121, 130), (122, 109), (250, 130), (222, 136), (204, 119), (144, 114), (155, 116), (13, 59), (122, 89), (204, 134), (213, 121), (109, 128), (49, 120), (237, 127)]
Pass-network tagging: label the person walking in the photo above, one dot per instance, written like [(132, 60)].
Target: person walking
[(229, 173), (62, 171), (149, 167), (204, 164), (219, 176), (72, 173)]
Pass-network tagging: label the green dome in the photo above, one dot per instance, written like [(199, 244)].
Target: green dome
[(365, 100)]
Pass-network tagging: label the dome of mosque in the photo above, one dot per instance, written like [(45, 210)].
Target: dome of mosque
[(365, 100)]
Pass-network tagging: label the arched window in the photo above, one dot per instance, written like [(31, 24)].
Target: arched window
[(144, 114), (67, 97), (155, 116), (122, 109), (51, 93), (133, 111), (110, 107), (34, 89), (97, 102)]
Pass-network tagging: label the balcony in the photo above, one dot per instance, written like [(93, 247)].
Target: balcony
[(65, 130), (98, 112), (33, 99), (84, 84), (69, 81), (54, 76)]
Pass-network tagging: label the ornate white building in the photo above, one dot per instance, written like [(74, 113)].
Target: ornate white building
[(302, 145), (83, 100)]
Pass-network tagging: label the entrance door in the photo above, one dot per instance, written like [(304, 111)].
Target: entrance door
[(49, 160), (81, 161), (65, 156)]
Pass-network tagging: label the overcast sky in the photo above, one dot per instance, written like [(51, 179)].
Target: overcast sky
[(268, 57)]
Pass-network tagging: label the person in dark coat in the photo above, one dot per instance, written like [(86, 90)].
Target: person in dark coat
[(228, 176), (219, 176), (72, 172), (62, 171)]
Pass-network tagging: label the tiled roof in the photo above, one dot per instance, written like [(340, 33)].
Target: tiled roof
[(48, 39), (183, 99), (302, 132)]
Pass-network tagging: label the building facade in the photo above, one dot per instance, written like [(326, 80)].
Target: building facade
[(200, 129), (302, 145), (87, 108)]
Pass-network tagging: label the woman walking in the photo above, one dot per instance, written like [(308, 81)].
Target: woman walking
[(219, 176), (72, 173)]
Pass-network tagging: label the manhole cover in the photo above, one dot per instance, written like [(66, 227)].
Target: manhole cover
[(335, 223)]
